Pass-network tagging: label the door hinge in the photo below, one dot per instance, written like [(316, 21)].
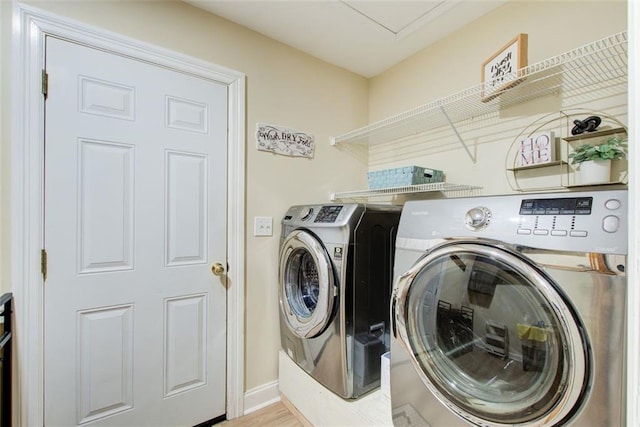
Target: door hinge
[(45, 83), (43, 264)]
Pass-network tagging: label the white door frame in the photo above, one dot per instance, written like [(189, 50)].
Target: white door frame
[(30, 26)]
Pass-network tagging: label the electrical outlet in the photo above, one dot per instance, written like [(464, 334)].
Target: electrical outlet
[(263, 226)]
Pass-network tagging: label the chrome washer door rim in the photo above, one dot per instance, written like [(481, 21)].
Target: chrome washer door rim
[(576, 355), (311, 325)]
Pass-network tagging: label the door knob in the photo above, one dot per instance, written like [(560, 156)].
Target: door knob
[(217, 269)]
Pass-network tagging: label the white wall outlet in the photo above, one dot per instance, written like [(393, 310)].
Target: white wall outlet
[(263, 226)]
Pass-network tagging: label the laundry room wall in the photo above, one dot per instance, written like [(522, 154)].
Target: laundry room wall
[(284, 87), (454, 63)]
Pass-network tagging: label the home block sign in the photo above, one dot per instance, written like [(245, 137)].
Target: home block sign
[(536, 149), (285, 141)]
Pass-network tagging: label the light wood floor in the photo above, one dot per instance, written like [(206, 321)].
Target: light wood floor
[(281, 414)]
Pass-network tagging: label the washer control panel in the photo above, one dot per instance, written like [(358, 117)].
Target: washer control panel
[(560, 206), (329, 215), (594, 221), (569, 216)]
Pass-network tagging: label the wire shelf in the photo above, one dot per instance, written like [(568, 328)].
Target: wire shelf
[(406, 189), (600, 65)]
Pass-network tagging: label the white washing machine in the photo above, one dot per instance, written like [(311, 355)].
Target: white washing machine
[(336, 270), (510, 310)]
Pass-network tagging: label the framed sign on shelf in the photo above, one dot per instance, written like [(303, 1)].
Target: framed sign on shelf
[(536, 150), (501, 70)]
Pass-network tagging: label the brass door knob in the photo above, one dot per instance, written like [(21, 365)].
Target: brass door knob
[(217, 269)]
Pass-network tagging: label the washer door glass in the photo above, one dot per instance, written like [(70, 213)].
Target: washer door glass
[(491, 336), (306, 284)]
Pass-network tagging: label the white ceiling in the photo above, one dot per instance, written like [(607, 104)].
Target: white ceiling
[(363, 36)]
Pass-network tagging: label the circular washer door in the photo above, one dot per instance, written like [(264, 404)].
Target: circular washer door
[(307, 288), (491, 336)]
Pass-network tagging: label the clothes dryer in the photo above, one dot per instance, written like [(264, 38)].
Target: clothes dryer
[(336, 269), (510, 310)]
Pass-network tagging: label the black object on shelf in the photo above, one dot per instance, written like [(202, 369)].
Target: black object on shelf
[(589, 124)]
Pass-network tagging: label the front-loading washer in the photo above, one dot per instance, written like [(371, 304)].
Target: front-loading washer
[(335, 277), (510, 310)]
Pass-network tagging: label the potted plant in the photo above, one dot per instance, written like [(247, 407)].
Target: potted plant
[(594, 160)]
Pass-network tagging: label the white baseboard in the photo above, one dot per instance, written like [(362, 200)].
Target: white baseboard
[(261, 396)]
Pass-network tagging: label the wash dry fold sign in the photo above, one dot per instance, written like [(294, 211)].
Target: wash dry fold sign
[(285, 141)]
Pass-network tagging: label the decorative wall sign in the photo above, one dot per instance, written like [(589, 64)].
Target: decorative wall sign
[(536, 149), (280, 140), (500, 72)]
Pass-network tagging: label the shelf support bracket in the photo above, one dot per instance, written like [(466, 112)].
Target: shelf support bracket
[(446, 116)]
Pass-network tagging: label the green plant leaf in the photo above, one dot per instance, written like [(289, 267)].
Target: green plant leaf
[(611, 149)]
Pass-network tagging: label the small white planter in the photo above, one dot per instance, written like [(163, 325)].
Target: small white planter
[(595, 172)]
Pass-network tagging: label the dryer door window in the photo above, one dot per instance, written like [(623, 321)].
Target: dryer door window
[(307, 288), (492, 336)]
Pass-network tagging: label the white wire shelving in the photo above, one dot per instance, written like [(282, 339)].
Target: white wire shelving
[(450, 189), (595, 67), (601, 64)]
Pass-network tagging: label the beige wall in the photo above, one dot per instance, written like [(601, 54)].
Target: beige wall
[(284, 87), (453, 64)]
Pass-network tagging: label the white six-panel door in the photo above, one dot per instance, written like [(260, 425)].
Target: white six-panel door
[(135, 215)]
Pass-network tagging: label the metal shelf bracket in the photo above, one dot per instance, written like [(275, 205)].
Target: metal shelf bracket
[(453, 127)]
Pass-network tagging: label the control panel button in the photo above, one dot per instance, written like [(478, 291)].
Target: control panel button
[(305, 213), (524, 231), (558, 232), (540, 232), (477, 218), (611, 223), (612, 204), (578, 233)]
